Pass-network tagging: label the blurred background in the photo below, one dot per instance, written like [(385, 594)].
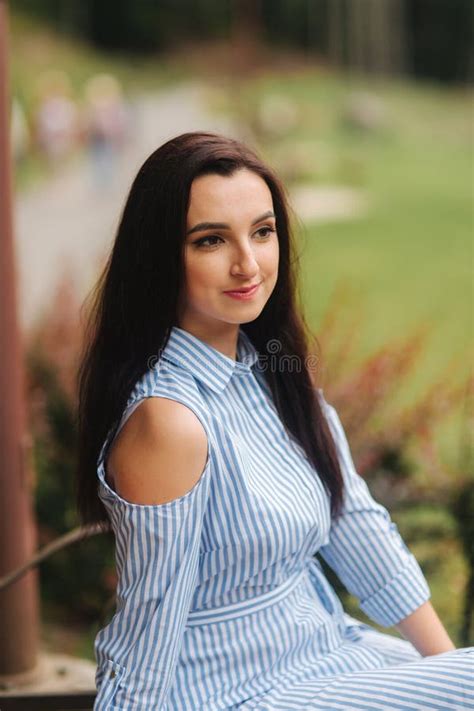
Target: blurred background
[(364, 108)]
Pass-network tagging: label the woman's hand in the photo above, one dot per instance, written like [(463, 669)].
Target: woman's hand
[(424, 630)]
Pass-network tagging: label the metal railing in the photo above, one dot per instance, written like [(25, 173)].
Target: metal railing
[(49, 701)]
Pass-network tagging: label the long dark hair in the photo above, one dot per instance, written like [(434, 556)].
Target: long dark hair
[(135, 304)]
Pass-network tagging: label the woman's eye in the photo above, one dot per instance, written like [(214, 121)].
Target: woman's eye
[(268, 230), (210, 240), (201, 241)]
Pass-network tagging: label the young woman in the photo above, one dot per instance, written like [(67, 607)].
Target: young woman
[(207, 444)]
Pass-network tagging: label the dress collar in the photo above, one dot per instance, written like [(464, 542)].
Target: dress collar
[(205, 362)]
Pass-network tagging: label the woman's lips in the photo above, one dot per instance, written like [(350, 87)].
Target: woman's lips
[(243, 295)]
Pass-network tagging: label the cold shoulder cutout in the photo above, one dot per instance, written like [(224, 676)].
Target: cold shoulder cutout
[(160, 453)]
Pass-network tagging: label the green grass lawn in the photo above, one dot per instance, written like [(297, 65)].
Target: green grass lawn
[(410, 260)]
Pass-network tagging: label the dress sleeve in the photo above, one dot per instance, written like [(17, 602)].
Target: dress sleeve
[(157, 556), (365, 548)]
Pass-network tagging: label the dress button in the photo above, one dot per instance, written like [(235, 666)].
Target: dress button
[(112, 674)]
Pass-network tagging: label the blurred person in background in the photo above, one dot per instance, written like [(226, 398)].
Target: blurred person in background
[(105, 127), (56, 118)]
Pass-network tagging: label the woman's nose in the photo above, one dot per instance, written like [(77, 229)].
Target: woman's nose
[(245, 262)]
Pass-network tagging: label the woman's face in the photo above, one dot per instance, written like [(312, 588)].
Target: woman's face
[(239, 250)]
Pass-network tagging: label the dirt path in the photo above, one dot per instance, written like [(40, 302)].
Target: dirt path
[(65, 226)]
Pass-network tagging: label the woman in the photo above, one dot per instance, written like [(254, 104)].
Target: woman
[(223, 470)]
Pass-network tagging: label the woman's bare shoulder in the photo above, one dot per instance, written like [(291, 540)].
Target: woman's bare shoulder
[(159, 454)]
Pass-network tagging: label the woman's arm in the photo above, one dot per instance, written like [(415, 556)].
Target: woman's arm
[(365, 548), (424, 630), (370, 557), (160, 498)]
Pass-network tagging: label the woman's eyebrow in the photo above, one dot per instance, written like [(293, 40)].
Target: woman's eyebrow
[(223, 226)]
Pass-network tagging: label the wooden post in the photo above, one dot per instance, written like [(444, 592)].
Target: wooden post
[(19, 602)]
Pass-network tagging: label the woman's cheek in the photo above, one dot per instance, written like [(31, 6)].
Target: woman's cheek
[(203, 277)]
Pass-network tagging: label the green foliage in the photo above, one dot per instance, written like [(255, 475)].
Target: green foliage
[(426, 522), (463, 509), (77, 581), (439, 32), (140, 27)]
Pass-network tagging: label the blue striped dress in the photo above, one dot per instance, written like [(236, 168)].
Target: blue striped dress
[(221, 603)]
